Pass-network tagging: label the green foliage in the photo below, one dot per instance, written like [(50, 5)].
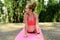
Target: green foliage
[(1, 11), (47, 13), (50, 14), (39, 6)]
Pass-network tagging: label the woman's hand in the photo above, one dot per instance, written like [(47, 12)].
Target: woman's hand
[(25, 35), (38, 36)]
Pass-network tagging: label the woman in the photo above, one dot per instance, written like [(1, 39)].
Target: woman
[(31, 25)]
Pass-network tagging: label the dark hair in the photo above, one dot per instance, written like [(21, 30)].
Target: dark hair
[(32, 6)]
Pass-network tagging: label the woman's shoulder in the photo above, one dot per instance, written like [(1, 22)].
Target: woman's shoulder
[(24, 14), (36, 14)]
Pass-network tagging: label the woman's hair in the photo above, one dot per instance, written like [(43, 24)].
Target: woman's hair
[(32, 6)]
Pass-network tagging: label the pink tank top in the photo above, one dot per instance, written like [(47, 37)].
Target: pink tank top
[(31, 22)]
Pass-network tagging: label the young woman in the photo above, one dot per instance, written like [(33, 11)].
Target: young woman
[(31, 25)]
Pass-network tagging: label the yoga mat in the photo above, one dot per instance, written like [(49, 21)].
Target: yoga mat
[(31, 36)]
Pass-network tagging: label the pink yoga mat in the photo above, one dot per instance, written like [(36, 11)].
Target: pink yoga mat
[(20, 36)]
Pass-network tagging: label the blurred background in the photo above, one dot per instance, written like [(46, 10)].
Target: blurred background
[(12, 11)]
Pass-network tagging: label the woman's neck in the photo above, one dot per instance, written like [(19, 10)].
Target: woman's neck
[(30, 14)]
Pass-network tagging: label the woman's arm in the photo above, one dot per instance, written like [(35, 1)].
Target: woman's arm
[(25, 21), (37, 26)]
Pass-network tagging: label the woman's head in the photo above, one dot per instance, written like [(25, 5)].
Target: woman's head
[(30, 7)]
